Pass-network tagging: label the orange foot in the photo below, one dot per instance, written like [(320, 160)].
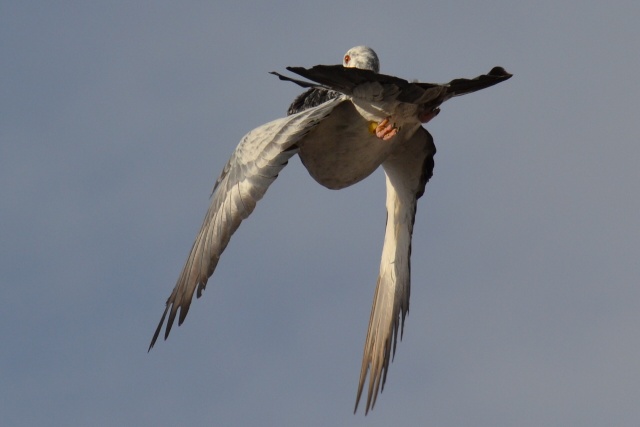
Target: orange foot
[(383, 130)]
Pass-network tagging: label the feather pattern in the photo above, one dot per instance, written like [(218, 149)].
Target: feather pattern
[(407, 171), (311, 98), (351, 81), (254, 165)]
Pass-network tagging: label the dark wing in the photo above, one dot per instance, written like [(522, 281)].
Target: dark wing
[(463, 86), (311, 98), (347, 80), (407, 171), (254, 165)]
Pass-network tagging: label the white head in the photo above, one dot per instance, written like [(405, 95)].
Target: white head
[(361, 57)]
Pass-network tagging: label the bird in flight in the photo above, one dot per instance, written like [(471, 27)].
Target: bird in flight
[(349, 121)]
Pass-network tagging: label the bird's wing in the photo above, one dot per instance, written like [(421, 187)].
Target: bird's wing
[(407, 171), (311, 98), (357, 82), (254, 165)]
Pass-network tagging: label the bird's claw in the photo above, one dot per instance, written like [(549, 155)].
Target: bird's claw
[(384, 130)]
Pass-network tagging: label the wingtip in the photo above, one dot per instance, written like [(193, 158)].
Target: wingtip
[(278, 75), (156, 334), (155, 338), (500, 72), (366, 411)]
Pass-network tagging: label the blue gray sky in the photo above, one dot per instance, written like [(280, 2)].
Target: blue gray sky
[(117, 117)]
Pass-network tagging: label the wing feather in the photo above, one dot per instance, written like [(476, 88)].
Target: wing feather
[(349, 80), (253, 166), (407, 171), (311, 98)]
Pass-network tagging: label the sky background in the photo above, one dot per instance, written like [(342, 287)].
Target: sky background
[(117, 117)]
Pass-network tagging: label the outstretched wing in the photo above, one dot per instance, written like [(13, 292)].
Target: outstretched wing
[(347, 80), (407, 171), (254, 165)]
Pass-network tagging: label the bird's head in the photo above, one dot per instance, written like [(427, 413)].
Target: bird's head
[(361, 57)]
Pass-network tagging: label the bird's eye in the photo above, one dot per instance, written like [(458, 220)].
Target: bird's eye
[(347, 58)]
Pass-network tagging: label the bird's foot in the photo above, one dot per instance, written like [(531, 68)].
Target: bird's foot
[(428, 115), (384, 130)]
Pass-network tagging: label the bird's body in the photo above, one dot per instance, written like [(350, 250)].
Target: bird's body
[(350, 121), (342, 150)]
